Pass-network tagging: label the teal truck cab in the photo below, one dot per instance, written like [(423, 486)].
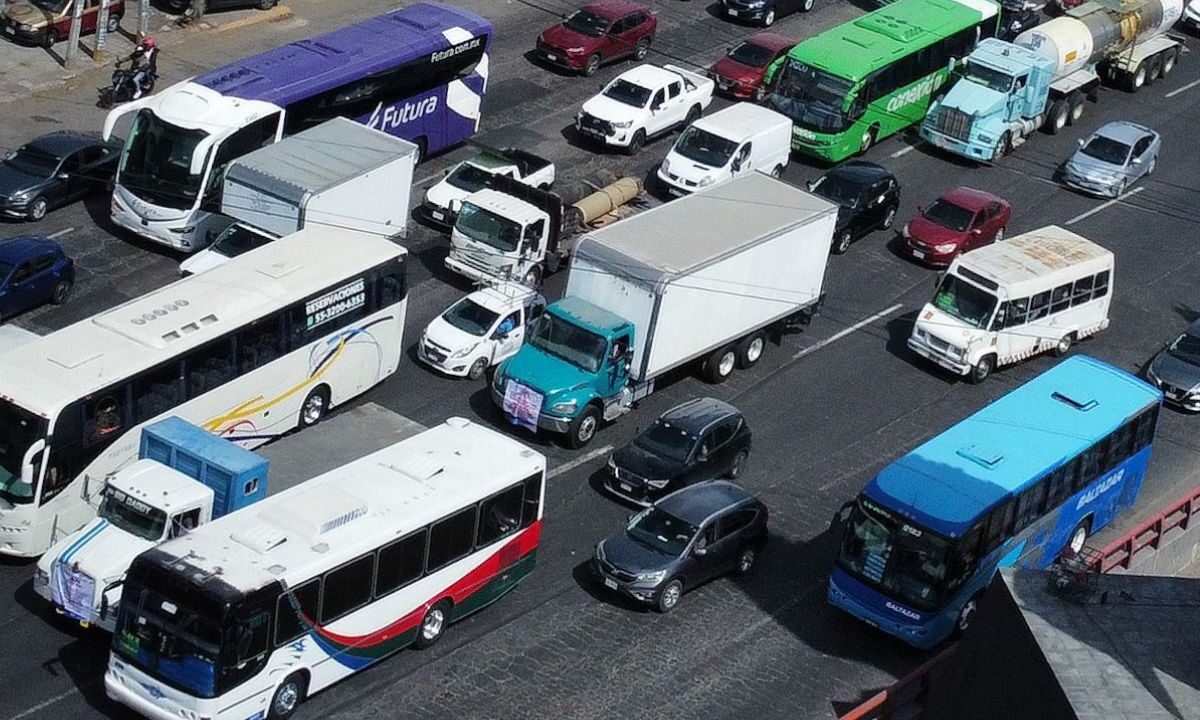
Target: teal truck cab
[(684, 282)]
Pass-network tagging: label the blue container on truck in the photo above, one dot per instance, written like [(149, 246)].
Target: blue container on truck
[(237, 477)]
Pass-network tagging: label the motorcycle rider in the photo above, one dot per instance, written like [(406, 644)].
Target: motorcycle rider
[(144, 63)]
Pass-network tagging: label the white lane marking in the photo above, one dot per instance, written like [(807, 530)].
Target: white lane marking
[(1189, 86), (904, 151), (44, 704), (427, 178), (1098, 208), (571, 465), (843, 333), (60, 233)]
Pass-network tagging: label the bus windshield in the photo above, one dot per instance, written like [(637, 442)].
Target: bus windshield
[(906, 561), (488, 227), (811, 97), (168, 640), (997, 80), (132, 515), (156, 163), (960, 299), (19, 429), (704, 147), (569, 342)]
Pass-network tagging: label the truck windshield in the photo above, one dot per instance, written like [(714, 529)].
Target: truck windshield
[(905, 561), (168, 640), (156, 162), (488, 227), (959, 298), (470, 317), (237, 239), (811, 97), (626, 92), (704, 147), (19, 429), (660, 530), (569, 342), (469, 178), (132, 515), (997, 80)]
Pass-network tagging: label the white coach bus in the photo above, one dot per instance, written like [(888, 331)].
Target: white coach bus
[(1003, 303), (250, 614), (264, 344)]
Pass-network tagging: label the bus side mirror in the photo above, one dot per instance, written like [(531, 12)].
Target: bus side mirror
[(842, 516), (31, 464)]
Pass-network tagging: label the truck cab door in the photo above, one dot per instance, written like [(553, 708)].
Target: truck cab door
[(183, 522), (619, 357)]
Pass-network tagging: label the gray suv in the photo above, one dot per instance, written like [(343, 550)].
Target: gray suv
[(685, 539)]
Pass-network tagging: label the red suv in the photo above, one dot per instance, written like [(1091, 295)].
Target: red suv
[(961, 220), (597, 33), (741, 72)]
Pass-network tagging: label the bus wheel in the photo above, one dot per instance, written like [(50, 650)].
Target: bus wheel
[(868, 139), (314, 408), (1064, 344), (288, 697), (982, 369), (1079, 536), (433, 625), (966, 615)]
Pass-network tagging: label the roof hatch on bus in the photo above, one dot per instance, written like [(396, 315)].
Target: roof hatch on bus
[(71, 358), (1081, 404), (315, 511), (988, 457), (889, 26), (262, 539)]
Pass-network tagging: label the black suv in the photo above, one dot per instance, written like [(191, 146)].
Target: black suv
[(689, 537), (867, 196), (701, 439)]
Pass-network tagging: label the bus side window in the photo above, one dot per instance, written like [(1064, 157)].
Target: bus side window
[(1060, 299), (499, 515), (1039, 306), (259, 344), (105, 415), (296, 611), (157, 391), (533, 499), (400, 563), (347, 588), (389, 289), (998, 526), (1060, 485), (1030, 506), (1121, 445), (1101, 285), (1083, 290), (450, 539), (256, 135), (968, 557), (1092, 466), (209, 367), (1145, 428), (1017, 310)]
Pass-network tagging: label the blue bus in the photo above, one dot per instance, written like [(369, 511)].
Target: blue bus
[(1015, 484), (419, 73)]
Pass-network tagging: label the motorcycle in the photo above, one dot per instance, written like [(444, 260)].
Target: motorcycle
[(122, 88)]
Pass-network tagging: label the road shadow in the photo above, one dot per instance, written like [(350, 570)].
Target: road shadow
[(488, 414), (587, 581), (538, 60), (1187, 313), (899, 329)]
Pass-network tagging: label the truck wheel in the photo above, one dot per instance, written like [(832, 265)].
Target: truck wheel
[(720, 365), (1137, 78), (1155, 69), (1059, 111), (636, 143), (750, 349), (532, 277), (1075, 102), (982, 370), (583, 428), (1168, 63)]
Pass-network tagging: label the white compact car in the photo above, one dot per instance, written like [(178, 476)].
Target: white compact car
[(480, 330)]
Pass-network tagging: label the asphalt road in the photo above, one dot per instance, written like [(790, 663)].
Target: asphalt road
[(828, 408)]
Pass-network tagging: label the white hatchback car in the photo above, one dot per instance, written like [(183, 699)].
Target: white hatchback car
[(480, 330)]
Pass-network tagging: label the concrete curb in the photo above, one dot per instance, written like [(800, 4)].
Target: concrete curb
[(279, 13)]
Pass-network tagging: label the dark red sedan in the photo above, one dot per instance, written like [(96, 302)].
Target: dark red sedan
[(740, 73), (961, 220), (597, 33)]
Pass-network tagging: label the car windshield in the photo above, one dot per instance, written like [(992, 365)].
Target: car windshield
[(156, 162), (958, 298), (658, 529), (666, 440), (747, 53), (1186, 348), (903, 560), (568, 341), (811, 97), (132, 515), (19, 429), (32, 161), (168, 640), (469, 178), (488, 227), (705, 148), (949, 215), (626, 92), (237, 239), (586, 23), (837, 189), (1103, 148), (997, 80), (470, 317)]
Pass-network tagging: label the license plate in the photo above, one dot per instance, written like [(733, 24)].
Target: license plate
[(438, 215), (732, 13), (551, 56), (626, 487), (609, 582), (918, 254), (590, 131), (675, 191)]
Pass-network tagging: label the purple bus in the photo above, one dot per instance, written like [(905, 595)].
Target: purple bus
[(419, 73)]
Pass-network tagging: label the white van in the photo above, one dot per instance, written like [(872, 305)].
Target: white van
[(481, 329), (739, 139), (1005, 302)]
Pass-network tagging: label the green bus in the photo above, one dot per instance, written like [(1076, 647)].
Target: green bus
[(862, 81)]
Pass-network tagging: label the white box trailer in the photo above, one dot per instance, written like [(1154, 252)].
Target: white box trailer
[(703, 271), (340, 174)]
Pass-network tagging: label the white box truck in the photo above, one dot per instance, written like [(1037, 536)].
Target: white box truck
[(705, 278)]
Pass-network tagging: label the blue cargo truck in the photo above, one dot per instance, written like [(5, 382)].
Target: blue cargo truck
[(184, 477)]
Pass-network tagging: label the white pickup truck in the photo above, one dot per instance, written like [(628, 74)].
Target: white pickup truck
[(443, 200), (643, 102)]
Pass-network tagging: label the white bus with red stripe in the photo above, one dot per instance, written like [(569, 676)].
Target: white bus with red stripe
[(250, 614)]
